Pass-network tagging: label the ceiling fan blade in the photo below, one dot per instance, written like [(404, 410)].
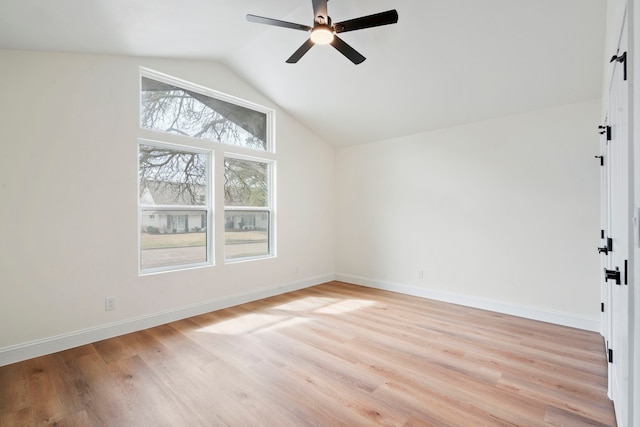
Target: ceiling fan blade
[(347, 50), (300, 52), (277, 23), (320, 9), (375, 20)]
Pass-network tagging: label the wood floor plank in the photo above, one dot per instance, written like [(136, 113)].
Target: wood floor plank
[(148, 396), (15, 380), (330, 355), (474, 396), (560, 417), (349, 387), (99, 392)]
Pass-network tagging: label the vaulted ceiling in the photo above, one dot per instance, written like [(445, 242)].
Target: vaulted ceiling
[(445, 63)]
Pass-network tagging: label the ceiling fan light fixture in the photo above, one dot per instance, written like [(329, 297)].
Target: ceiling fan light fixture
[(322, 34)]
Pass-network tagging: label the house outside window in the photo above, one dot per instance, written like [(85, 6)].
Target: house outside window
[(247, 207), (184, 131), (173, 213)]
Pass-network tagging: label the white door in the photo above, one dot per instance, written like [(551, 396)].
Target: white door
[(605, 241), (616, 274)]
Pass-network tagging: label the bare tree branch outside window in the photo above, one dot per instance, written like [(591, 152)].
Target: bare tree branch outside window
[(172, 109), (172, 177), (175, 180), (245, 183)]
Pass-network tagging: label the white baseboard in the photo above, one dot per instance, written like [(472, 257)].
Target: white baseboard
[(558, 318), (28, 350)]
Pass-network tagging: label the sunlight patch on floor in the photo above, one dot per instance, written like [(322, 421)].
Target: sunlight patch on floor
[(306, 304), (345, 306), (325, 305), (253, 322), (258, 322)]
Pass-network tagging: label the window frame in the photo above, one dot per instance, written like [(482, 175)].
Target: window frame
[(217, 152), (202, 90), (271, 165), (207, 207)]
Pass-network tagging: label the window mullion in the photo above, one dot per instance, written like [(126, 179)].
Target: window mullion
[(218, 208)]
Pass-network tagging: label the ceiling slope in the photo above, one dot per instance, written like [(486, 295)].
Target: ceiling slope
[(446, 62)]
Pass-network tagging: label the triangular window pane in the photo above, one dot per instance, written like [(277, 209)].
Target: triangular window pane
[(168, 108)]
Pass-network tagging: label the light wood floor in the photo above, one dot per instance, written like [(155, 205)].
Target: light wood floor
[(333, 354)]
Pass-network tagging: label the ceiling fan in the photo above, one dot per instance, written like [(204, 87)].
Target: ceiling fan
[(324, 32)]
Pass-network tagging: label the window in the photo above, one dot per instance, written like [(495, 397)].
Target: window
[(247, 208), (172, 109), (174, 206), (183, 130)]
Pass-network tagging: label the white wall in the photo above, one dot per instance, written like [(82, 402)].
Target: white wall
[(503, 214), (68, 218), (616, 14), (504, 210)]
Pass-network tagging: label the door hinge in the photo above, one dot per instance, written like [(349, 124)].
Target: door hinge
[(610, 356), (607, 130), (622, 59), (602, 307), (606, 249), (612, 275), (602, 234), (601, 160), (626, 266)]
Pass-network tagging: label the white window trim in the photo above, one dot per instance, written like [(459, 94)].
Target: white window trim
[(270, 208), (217, 151), (270, 113), (208, 207)]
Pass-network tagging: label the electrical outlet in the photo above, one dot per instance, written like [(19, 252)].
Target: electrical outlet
[(420, 274), (110, 303)]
